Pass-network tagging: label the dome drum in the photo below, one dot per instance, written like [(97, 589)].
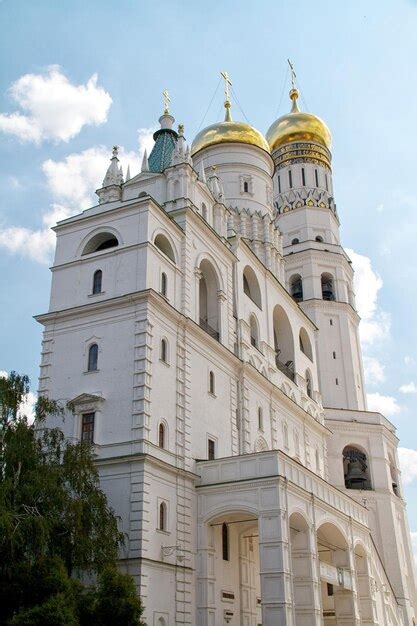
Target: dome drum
[(302, 152)]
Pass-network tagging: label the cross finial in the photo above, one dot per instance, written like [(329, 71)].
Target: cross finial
[(167, 100), (293, 75), (115, 151), (227, 84)]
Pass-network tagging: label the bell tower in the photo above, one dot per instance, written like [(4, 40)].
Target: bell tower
[(319, 274)]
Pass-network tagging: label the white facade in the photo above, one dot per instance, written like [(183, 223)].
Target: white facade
[(228, 418)]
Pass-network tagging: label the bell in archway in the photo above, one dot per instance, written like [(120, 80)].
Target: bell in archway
[(356, 474)]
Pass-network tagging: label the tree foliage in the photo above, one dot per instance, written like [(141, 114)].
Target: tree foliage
[(55, 524)]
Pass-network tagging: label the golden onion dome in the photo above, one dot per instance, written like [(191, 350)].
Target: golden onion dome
[(298, 126), (228, 131)]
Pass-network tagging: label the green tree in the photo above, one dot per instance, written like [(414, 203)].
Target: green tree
[(55, 521)]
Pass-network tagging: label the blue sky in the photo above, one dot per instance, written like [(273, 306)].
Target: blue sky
[(104, 64)]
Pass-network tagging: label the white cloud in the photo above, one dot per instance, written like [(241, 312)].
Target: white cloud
[(380, 208), (375, 324), (72, 183), (27, 407), (408, 464), (408, 360), (374, 370), (53, 108), (409, 388), (387, 405)]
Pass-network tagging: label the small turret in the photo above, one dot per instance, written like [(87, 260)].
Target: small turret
[(113, 180)]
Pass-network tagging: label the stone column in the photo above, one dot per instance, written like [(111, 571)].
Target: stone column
[(345, 600), (206, 580), (274, 569), (305, 585)]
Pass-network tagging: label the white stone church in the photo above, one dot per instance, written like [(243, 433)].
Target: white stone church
[(202, 323)]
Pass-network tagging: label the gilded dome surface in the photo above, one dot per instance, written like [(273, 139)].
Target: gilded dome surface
[(298, 126), (228, 131)]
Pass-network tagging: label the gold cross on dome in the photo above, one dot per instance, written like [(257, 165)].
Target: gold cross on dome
[(293, 75), (167, 100), (227, 84)]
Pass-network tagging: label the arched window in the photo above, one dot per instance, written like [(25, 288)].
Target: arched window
[(327, 288), (246, 186), (164, 350), (305, 344), (260, 418), (356, 468), (97, 280), (100, 241), (163, 244), (212, 383), (208, 300), (162, 516), (93, 358), (251, 286), (254, 332), (164, 284), (309, 384), (319, 238), (225, 542), (161, 435), (296, 287), (295, 241), (283, 342)]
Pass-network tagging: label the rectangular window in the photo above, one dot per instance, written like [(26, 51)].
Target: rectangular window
[(290, 178), (317, 178), (334, 355), (87, 427), (303, 176), (211, 449), (279, 184), (331, 322), (337, 381), (329, 589)]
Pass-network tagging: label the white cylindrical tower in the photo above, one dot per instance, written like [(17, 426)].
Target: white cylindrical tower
[(319, 274)]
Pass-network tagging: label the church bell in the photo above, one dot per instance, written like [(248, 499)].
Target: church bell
[(356, 474)]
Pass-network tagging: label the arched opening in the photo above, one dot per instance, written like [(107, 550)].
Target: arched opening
[(254, 332), (164, 350), (100, 241), (97, 281), (212, 382), (161, 435), (92, 358), (245, 186), (295, 241), (309, 384), (335, 575), (356, 468), (296, 287), (305, 344), (208, 300), (319, 238), (327, 287), (251, 286), (162, 516), (394, 476), (163, 244), (283, 342), (164, 284)]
